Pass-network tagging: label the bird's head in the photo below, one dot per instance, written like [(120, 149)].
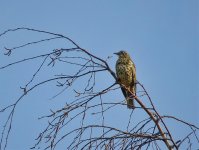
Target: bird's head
[(122, 54)]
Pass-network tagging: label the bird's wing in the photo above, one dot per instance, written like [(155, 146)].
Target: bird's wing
[(133, 84), (124, 92)]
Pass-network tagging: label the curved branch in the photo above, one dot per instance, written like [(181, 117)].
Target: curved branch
[(87, 102)]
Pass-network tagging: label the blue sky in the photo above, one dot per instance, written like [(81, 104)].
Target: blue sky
[(161, 37)]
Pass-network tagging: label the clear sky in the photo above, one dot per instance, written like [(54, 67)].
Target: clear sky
[(160, 35)]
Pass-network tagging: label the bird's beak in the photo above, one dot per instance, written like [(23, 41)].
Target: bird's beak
[(116, 53)]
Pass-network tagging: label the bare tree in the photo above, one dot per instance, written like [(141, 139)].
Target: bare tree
[(89, 100)]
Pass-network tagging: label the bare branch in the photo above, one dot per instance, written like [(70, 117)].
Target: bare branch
[(89, 101)]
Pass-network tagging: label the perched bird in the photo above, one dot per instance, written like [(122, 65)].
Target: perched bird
[(126, 74)]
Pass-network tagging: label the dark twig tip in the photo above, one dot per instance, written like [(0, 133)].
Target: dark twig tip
[(9, 51), (24, 90)]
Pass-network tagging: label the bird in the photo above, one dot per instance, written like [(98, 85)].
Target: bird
[(126, 76)]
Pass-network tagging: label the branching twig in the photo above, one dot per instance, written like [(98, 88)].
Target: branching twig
[(89, 102)]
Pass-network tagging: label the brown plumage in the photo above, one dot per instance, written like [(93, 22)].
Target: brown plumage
[(126, 74)]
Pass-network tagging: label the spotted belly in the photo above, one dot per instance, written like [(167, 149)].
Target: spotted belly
[(124, 74)]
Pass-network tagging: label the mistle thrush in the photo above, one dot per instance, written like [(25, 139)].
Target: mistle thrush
[(126, 74)]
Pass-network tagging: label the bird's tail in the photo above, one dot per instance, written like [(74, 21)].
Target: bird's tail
[(130, 100), (130, 103)]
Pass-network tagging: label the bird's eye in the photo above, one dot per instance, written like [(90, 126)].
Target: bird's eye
[(123, 53)]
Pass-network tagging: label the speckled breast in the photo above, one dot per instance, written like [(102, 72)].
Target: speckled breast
[(124, 73)]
